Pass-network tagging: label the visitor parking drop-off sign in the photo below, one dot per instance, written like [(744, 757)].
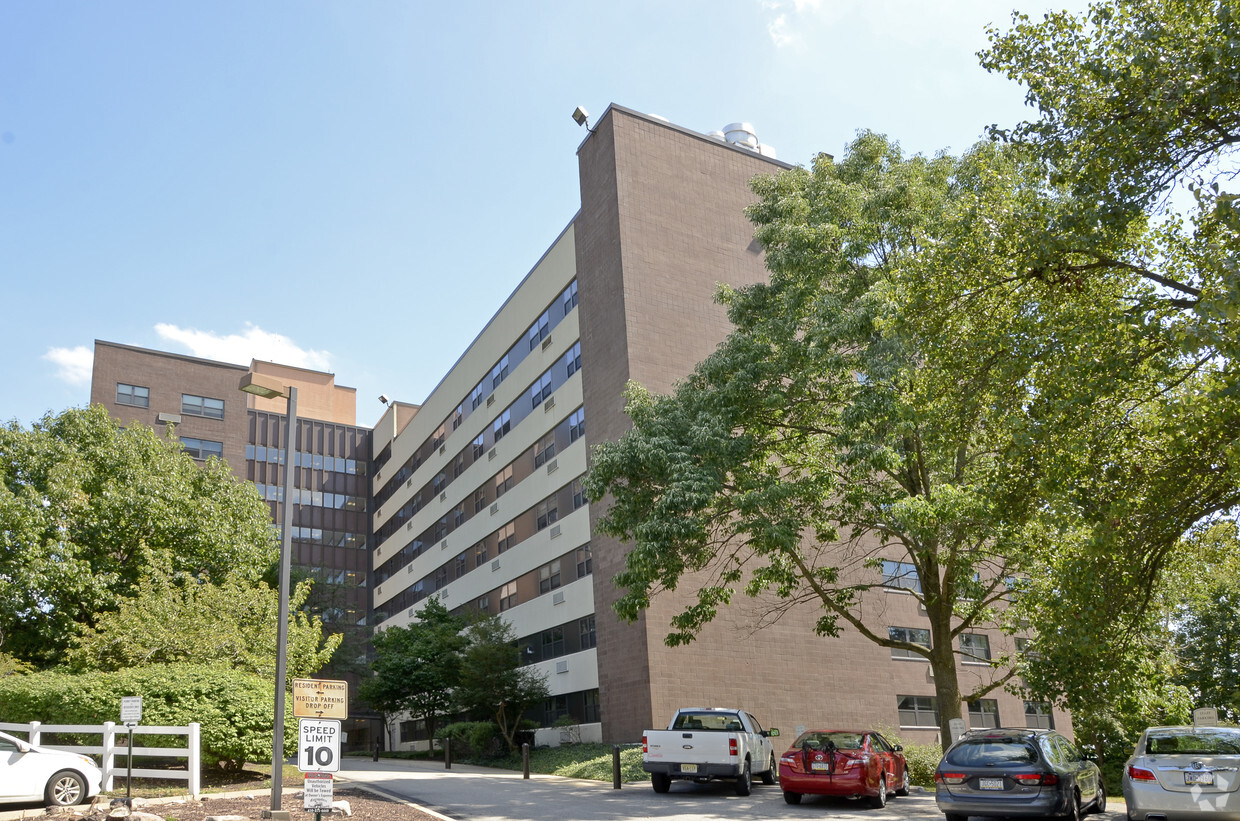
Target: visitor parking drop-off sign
[(318, 748)]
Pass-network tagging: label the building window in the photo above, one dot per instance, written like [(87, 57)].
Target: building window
[(579, 494), (484, 604), (975, 647), (133, 395), (541, 389), (548, 512), (901, 575), (1038, 714), (544, 449), (592, 712), (502, 425), (441, 528), (457, 416), (458, 467), (475, 397), (480, 553), (508, 596), (554, 709), (918, 711), (202, 448), (584, 560), (458, 515), (479, 446), (577, 424), (201, 406), (503, 481), (480, 499), (549, 577), (438, 483), (586, 626), (912, 635), (539, 330), (505, 534), (499, 373), (983, 713), (553, 643), (572, 359), (569, 298), (437, 437)]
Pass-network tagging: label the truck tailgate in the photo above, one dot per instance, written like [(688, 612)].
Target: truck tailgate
[(688, 746)]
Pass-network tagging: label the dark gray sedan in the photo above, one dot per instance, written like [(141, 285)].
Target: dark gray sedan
[(1017, 772)]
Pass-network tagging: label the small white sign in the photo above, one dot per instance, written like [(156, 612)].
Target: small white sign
[(1205, 717), (318, 747), (318, 792), (131, 709), (956, 727)]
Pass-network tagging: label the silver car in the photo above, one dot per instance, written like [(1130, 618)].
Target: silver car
[(1182, 773)]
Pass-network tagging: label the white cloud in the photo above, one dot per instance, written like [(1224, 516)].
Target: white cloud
[(255, 343), (74, 365)]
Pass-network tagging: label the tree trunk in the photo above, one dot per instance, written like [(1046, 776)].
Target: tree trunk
[(946, 681)]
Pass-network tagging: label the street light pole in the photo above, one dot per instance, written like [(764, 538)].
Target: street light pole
[(286, 555), (269, 389)]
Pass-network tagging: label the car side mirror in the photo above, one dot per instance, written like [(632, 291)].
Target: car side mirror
[(897, 747), (771, 733)]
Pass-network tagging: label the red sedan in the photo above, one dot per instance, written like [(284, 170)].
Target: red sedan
[(848, 763)]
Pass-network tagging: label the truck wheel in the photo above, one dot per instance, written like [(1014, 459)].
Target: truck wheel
[(768, 777), (744, 782), (662, 782), (792, 798)]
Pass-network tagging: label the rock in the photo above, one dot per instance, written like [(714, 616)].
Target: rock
[(225, 818), (342, 807)]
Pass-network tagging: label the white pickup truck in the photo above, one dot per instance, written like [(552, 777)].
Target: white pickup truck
[(705, 743)]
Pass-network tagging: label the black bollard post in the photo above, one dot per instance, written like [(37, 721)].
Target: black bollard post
[(525, 760), (615, 766), (376, 755), (447, 753)]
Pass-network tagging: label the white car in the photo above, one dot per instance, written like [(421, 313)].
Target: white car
[(1184, 774), (30, 773)]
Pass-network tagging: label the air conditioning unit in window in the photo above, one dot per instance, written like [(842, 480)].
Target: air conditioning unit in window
[(549, 404), (443, 449), (490, 400), (558, 597), (443, 497), (553, 465), (443, 545), (495, 508), (494, 565), (491, 455), (555, 531), (561, 666)]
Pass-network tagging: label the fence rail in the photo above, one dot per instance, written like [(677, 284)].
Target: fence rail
[(110, 751)]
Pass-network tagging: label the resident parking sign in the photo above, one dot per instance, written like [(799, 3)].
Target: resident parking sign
[(318, 747)]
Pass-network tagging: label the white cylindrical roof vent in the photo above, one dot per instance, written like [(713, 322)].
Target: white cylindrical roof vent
[(741, 134), (716, 135), (767, 150)]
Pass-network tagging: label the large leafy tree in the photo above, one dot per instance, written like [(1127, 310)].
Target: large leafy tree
[(887, 396), (418, 668), (493, 681), (186, 620), (84, 507), (1206, 641)]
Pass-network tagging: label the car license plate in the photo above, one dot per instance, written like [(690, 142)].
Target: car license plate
[(818, 766), (990, 783), (688, 768), (1194, 778)]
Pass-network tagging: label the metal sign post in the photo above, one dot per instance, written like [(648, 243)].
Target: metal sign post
[(131, 716)]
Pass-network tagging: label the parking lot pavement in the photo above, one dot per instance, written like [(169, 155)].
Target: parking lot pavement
[(479, 794)]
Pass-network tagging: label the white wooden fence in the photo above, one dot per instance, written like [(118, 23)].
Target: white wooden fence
[(112, 753)]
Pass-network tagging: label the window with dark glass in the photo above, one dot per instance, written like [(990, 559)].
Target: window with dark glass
[(505, 535), (202, 406), (202, 448), (912, 635), (983, 713), (549, 577), (1038, 714), (480, 553), (458, 515), (901, 576), (438, 437), (475, 397), (500, 372), (457, 416), (458, 467), (547, 512), (541, 389), (439, 483), (579, 494), (503, 481), (577, 424), (918, 711), (975, 647), (544, 449), (586, 626), (572, 359), (134, 395), (502, 425), (584, 561), (480, 499), (539, 330), (508, 596), (479, 446), (441, 528), (568, 299), (552, 643)]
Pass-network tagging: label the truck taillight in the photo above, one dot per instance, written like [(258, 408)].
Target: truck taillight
[(645, 749), (732, 747)]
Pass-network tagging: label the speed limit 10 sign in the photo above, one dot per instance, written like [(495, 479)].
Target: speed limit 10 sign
[(318, 748)]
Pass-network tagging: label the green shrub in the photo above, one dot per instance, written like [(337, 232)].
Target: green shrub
[(473, 739), (234, 708), (922, 760)]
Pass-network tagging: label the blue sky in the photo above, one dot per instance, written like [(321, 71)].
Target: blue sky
[(357, 186)]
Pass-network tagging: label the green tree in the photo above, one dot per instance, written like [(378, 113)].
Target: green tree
[(417, 668), (1204, 624), (184, 619), (494, 684), (84, 507)]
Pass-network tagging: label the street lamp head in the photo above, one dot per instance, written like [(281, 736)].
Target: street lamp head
[(582, 117), (260, 385)]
